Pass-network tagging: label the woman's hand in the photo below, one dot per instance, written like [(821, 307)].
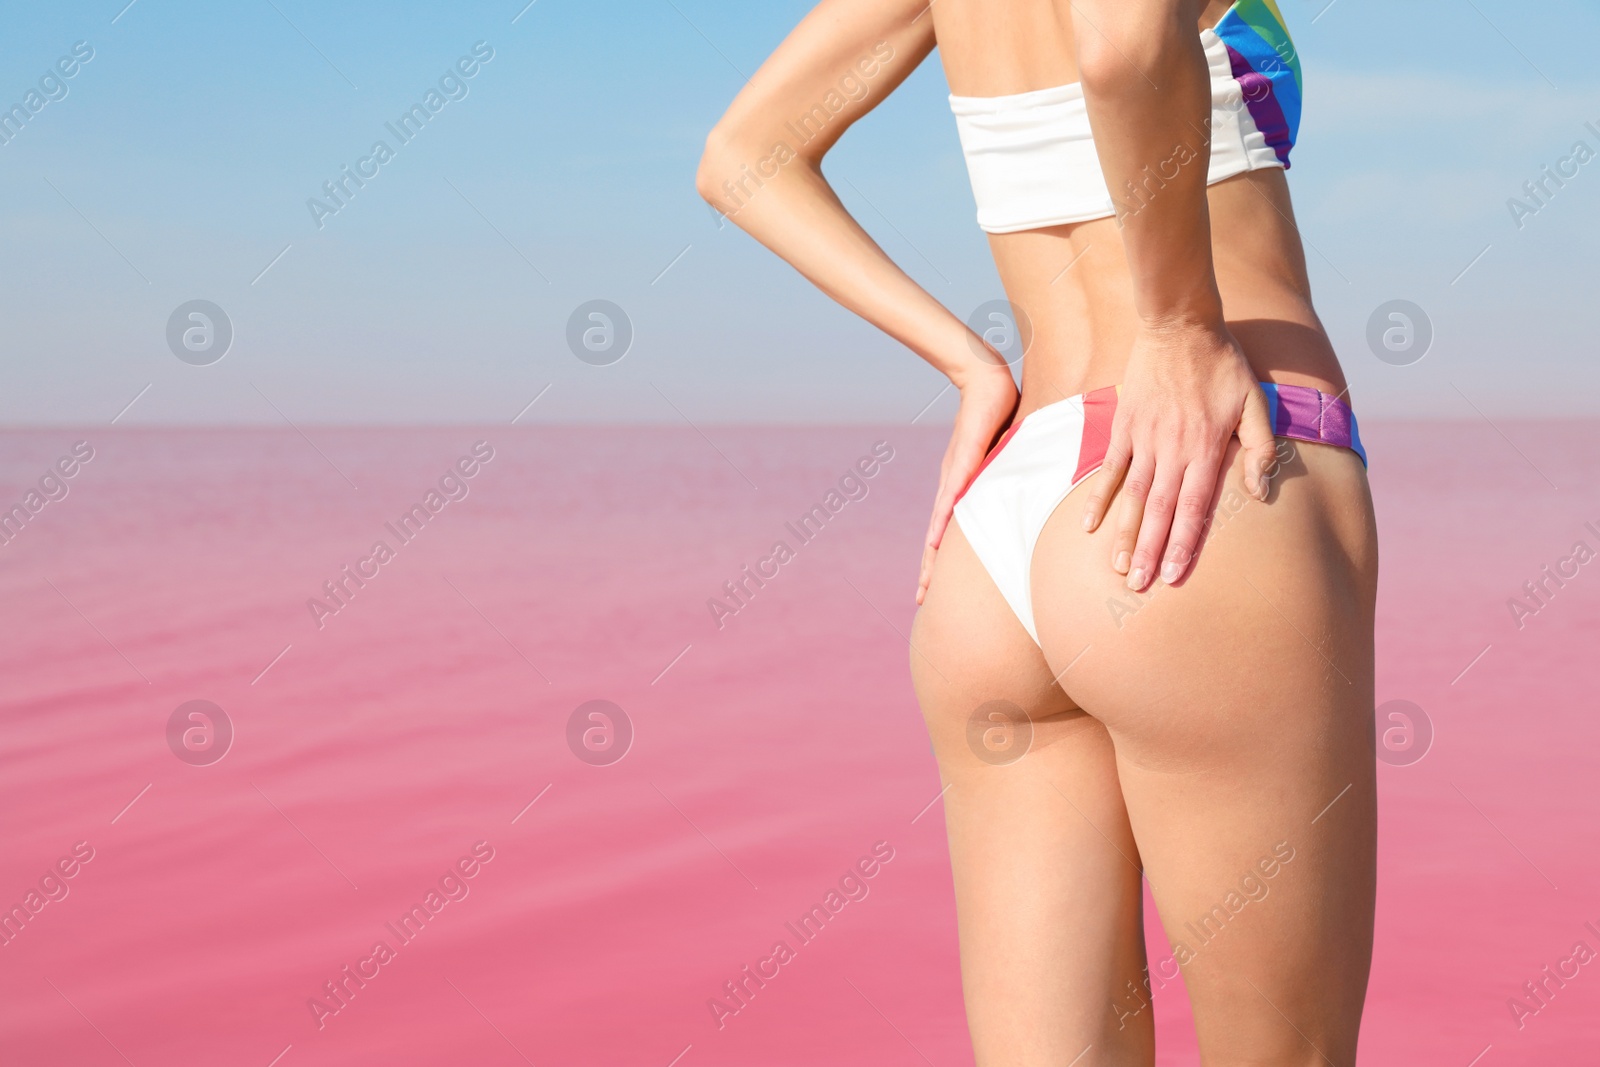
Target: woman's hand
[(1187, 390), (989, 399)]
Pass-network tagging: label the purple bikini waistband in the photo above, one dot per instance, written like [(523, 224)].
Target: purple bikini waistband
[(1309, 414)]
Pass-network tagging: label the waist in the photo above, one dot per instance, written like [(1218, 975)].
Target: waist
[(1297, 411), (1040, 393), (1073, 320)]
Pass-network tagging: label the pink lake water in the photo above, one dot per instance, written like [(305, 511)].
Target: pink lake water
[(429, 716)]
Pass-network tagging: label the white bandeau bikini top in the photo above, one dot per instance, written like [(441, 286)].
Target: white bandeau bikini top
[(1031, 156)]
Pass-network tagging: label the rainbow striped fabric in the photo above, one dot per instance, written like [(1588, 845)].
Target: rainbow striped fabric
[(1267, 68)]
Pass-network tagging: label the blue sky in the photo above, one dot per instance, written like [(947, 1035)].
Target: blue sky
[(179, 162)]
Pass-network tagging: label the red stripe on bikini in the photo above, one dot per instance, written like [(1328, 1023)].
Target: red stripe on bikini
[(1099, 407)]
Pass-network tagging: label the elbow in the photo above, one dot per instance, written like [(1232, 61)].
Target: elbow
[(728, 149), (1127, 55), (712, 171), (1104, 71), (740, 157)]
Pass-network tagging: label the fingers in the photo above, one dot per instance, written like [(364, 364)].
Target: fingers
[(1257, 443), (1157, 510), (944, 507), (930, 543), (1131, 517), (926, 573), (1103, 483), (1190, 517), (961, 466)]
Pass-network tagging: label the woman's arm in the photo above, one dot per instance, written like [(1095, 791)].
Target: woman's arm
[(762, 168), (1188, 387)]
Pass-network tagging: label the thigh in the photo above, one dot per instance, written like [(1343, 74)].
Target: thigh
[(1048, 891), (1240, 706)]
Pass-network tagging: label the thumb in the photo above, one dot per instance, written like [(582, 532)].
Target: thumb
[(1255, 437)]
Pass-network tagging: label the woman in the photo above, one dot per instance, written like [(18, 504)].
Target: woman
[(1175, 625)]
